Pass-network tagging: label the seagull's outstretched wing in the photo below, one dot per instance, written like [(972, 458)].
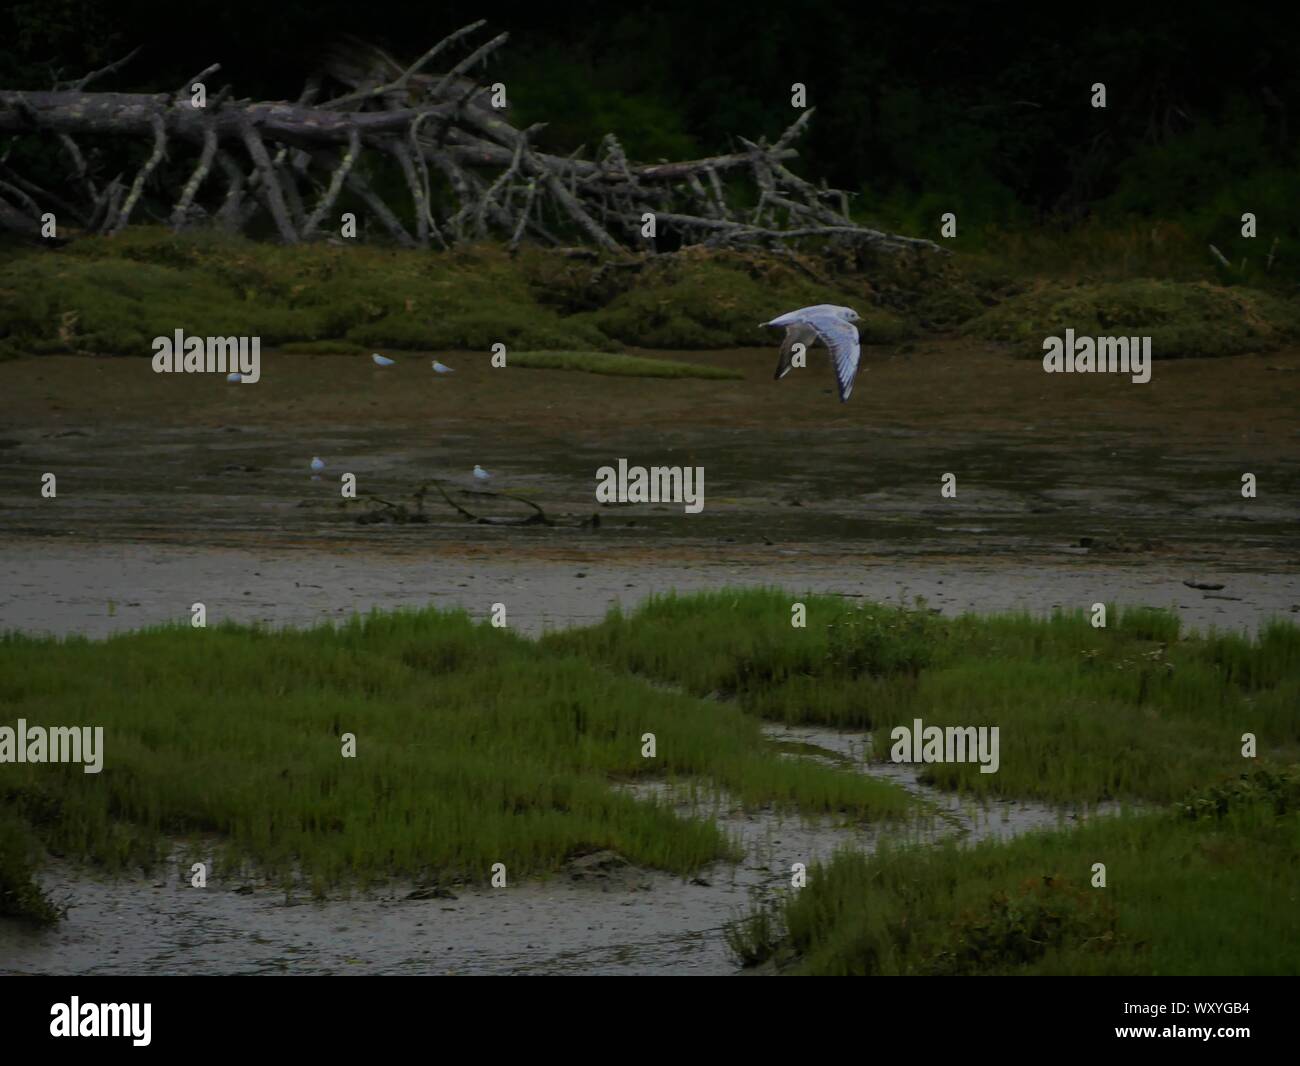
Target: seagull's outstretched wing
[(841, 338), (795, 333)]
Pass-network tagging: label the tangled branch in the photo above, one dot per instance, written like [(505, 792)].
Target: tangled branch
[(277, 156)]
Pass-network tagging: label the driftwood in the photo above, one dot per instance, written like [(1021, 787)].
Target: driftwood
[(400, 514), (290, 162), (537, 518)]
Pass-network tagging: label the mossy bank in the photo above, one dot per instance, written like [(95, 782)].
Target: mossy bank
[(112, 296)]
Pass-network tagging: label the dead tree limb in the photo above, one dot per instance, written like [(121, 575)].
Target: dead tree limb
[(54, 199), (523, 216), (390, 221), (404, 79), (479, 53), (112, 68), (17, 194), (188, 88), (412, 119), (331, 194), (230, 214), (200, 173), (537, 518), (137, 186), (422, 217), (270, 182)]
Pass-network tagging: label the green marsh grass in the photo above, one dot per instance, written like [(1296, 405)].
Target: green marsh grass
[(1189, 890), (740, 645), (1134, 711), (20, 896), (473, 747), (478, 746)]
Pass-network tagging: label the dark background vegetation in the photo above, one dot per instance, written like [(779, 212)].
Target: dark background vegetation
[(924, 106)]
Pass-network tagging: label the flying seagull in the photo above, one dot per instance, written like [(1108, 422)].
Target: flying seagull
[(381, 360), (831, 325), (441, 368)]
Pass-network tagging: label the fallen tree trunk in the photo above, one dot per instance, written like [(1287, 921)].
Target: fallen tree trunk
[(276, 157)]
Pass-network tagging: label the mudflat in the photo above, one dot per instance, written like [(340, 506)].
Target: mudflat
[(1069, 488)]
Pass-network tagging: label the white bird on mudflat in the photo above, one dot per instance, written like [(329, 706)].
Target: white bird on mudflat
[(381, 360), (480, 474), (834, 327), (317, 464), (441, 368), (235, 376)]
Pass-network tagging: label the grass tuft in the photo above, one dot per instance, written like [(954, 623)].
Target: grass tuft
[(1190, 896)]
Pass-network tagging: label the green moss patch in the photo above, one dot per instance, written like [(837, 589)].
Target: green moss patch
[(1183, 319)]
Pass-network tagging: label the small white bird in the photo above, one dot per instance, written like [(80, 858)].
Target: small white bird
[(441, 368), (834, 327), (236, 376), (317, 464), (381, 360), (480, 474)]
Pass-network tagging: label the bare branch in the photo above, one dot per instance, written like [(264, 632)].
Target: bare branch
[(188, 88), (231, 216), (337, 179), (361, 187), (137, 186), (406, 75), (479, 53), (95, 75), (523, 216), (36, 191), (274, 195), (16, 193), (197, 177)]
